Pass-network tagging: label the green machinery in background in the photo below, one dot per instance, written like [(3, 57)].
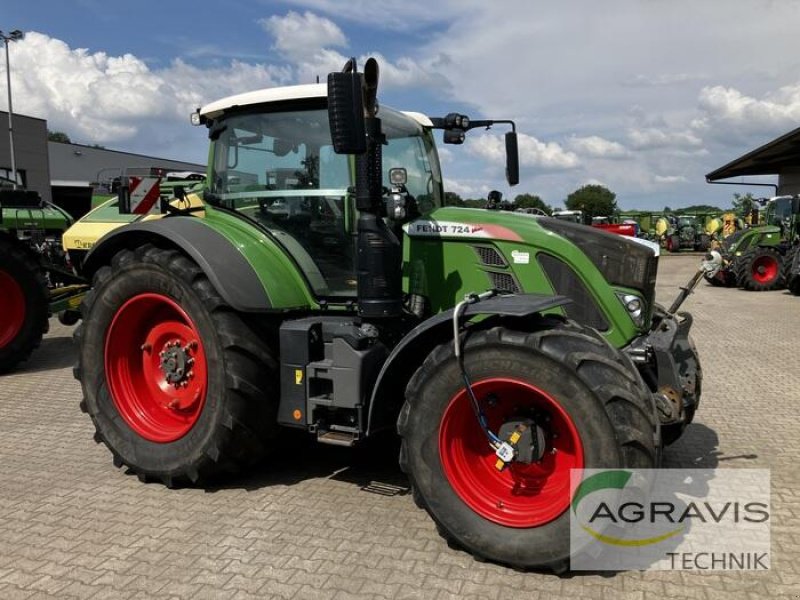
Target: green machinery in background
[(36, 278), (761, 257)]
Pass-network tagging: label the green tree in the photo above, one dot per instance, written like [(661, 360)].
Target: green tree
[(532, 201), (58, 136), (475, 203), (743, 203), (701, 208), (452, 199), (594, 200)]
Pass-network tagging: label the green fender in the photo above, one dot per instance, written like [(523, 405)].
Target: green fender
[(250, 269), (389, 390)]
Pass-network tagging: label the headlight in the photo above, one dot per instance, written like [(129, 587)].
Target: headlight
[(635, 307)]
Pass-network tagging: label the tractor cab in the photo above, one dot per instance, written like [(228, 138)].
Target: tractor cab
[(783, 212), (278, 167)]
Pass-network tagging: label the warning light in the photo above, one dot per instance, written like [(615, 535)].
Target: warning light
[(297, 414)]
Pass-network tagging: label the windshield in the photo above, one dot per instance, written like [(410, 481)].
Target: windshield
[(280, 169), (779, 212)]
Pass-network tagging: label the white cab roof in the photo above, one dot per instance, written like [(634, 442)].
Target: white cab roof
[(281, 94)]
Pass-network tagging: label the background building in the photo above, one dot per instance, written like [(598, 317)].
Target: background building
[(68, 174), (779, 157), (30, 152)]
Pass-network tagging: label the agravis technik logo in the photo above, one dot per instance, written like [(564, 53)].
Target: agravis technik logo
[(705, 519)]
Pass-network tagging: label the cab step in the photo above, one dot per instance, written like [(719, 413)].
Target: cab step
[(337, 438)]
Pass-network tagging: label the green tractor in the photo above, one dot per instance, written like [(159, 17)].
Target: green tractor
[(686, 232), (36, 279), (760, 258), (322, 286)]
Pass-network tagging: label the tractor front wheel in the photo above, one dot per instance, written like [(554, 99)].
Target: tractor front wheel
[(177, 385), (23, 304), (761, 270), (584, 400)]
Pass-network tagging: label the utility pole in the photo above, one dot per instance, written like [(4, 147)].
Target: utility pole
[(14, 36)]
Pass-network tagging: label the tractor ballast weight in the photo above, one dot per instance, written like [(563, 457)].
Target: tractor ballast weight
[(303, 295)]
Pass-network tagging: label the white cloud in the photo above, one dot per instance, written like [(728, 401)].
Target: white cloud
[(301, 36), (662, 80), (669, 179), (307, 41), (99, 98), (730, 115), (542, 156), (597, 147), (466, 188), (650, 138), (390, 14)]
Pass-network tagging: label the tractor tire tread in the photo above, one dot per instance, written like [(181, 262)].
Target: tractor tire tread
[(246, 422), (616, 383)]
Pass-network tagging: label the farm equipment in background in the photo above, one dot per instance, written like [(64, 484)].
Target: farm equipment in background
[(760, 258), (573, 216), (612, 225), (505, 349), (36, 278), (680, 232)]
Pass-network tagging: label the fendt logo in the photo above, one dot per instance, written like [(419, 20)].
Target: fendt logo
[(670, 519)]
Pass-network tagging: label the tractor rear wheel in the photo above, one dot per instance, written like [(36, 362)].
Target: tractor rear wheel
[(788, 267), (673, 243), (593, 410), (24, 300), (761, 269), (793, 277), (177, 385)]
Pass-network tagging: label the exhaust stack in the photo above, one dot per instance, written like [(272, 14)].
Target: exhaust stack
[(356, 129)]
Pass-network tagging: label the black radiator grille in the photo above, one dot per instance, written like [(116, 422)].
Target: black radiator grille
[(566, 282), (504, 282), (490, 257)]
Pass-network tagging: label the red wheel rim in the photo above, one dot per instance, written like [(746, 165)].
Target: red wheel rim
[(521, 495), (765, 269), (12, 308), (156, 367)]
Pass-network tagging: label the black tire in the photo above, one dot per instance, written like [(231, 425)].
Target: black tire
[(20, 269), (69, 317), (793, 282), (755, 266), (794, 285), (237, 421), (596, 385), (715, 280), (788, 265), (674, 243)]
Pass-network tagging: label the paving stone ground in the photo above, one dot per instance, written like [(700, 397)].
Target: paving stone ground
[(73, 526)]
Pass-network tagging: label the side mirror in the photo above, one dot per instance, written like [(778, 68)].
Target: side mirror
[(512, 158), (454, 136), (346, 113)]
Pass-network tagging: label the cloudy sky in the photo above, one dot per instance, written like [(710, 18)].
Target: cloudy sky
[(643, 96)]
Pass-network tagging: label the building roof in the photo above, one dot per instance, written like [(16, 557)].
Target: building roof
[(79, 162), (769, 159)]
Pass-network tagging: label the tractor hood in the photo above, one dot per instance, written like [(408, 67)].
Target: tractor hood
[(622, 261)]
